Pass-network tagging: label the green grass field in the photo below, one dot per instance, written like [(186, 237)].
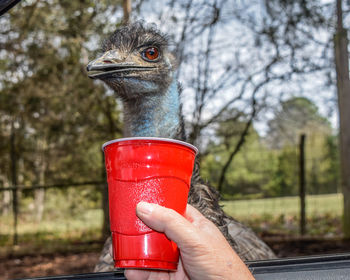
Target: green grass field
[(280, 216), (53, 234), (315, 205)]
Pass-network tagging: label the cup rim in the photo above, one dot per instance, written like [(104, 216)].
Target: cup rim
[(151, 138)]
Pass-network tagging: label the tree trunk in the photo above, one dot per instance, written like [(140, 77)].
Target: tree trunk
[(343, 88), (6, 198), (39, 194), (240, 142), (127, 11), (13, 156), (6, 202), (233, 154), (302, 184), (39, 203)]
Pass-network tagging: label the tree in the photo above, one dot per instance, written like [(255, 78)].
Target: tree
[(332, 168), (250, 169), (214, 71), (284, 46), (295, 117), (60, 117), (284, 177), (343, 86), (236, 54), (127, 11)]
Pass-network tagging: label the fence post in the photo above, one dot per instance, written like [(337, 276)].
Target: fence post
[(13, 156), (302, 183)]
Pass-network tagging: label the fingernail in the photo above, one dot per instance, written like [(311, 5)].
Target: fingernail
[(145, 208)]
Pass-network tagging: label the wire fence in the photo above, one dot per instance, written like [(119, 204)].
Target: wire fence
[(77, 210), (73, 213), (68, 211), (281, 215)]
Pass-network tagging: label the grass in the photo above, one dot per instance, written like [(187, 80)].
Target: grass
[(75, 233), (280, 216), (315, 205), (91, 219)]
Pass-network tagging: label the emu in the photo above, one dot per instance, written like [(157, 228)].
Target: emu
[(138, 66)]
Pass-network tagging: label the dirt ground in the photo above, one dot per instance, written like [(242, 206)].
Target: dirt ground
[(285, 248), (74, 263), (47, 265)]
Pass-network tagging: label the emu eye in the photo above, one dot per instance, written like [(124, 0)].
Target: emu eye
[(150, 54)]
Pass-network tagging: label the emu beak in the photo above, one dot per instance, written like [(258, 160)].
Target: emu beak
[(111, 64)]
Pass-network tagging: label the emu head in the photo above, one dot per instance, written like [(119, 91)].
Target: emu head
[(135, 61)]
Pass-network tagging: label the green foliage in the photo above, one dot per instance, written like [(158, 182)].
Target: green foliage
[(269, 166), (247, 176), (294, 117), (284, 176), (58, 115), (332, 168)]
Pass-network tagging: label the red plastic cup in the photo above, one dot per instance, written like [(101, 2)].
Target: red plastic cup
[(154, 170)]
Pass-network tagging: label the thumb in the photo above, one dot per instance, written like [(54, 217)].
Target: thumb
[(162, 219)]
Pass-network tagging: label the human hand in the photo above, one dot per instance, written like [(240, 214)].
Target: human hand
[(204, 251)]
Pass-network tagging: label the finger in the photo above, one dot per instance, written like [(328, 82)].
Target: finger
[(192, 214), (175, 226), (159, 275), (141, 274), (180, 274), (136, 274)]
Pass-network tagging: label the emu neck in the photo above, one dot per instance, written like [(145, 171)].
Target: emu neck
[(156, 115)]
